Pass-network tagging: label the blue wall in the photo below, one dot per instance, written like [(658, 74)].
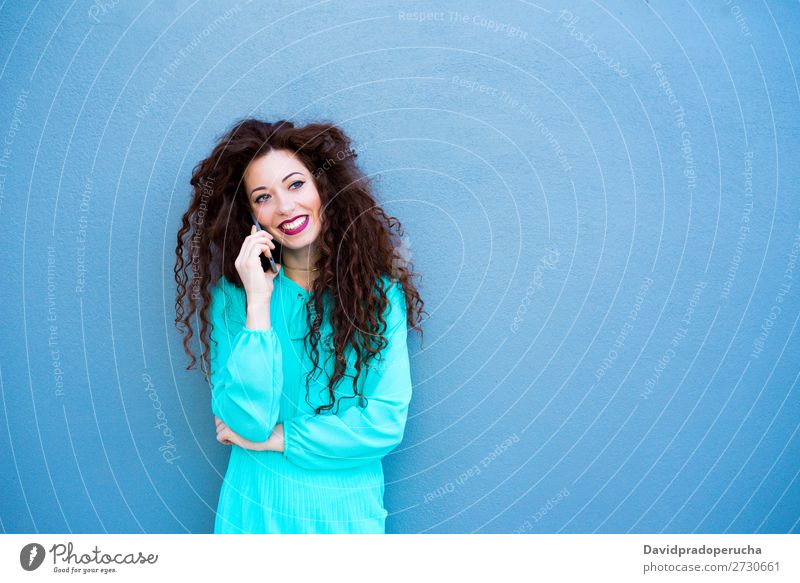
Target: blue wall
[(602, 201)]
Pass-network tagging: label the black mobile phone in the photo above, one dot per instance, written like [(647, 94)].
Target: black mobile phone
[(272, 265)]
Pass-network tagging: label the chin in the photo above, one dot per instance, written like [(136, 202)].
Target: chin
[(296, 243)]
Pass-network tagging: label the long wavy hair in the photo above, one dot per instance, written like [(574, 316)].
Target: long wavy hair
[(353, 225)]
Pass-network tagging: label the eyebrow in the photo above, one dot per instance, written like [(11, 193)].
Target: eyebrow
[(252, 192)]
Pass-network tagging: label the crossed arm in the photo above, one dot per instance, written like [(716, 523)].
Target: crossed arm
[(247, 383), (226, 436)]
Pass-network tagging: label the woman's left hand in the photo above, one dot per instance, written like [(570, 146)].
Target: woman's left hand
[(226, 436)]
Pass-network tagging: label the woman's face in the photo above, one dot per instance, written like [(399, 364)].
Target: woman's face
[(284, 198)]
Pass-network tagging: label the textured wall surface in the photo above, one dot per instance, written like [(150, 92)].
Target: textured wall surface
[(602, 200)]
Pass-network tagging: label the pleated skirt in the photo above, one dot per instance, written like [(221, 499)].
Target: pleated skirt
[(264, 493)]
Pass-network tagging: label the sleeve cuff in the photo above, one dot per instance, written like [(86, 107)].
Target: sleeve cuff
[(287, 440), (247, 330)]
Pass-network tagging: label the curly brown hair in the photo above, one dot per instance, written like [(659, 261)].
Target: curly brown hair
[(354, 226)]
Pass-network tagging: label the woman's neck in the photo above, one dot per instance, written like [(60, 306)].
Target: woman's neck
[(300, 266), (304, 279)]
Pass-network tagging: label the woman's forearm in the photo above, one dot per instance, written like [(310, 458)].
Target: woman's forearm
[(258, 313), (227, 436)]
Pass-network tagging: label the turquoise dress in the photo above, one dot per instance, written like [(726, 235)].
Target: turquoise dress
[(329, 478)]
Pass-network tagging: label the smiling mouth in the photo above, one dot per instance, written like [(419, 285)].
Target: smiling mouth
[(295, 226)]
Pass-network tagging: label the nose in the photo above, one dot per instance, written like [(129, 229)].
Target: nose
[(285, 206)]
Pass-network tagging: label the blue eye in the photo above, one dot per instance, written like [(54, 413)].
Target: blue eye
[(300, 182)]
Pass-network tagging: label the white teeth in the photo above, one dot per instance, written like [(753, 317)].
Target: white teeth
[(294, 224)]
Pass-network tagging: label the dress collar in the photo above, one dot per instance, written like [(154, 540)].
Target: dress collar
[(294, 298), (298, 289)]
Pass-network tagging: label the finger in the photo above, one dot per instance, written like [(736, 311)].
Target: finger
[(263, 233), (246, 253), (231, 438), (225, 436), (265, 249), (257, 238), (255, 235), (257, 249), (266, 241), (254, 238)]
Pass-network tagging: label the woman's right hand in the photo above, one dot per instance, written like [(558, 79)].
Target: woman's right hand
[(257, 282)]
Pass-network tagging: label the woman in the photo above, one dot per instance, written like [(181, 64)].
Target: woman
[(309, 366)]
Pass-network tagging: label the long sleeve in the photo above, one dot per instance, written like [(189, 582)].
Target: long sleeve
[(246, 372), (359, 435)]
